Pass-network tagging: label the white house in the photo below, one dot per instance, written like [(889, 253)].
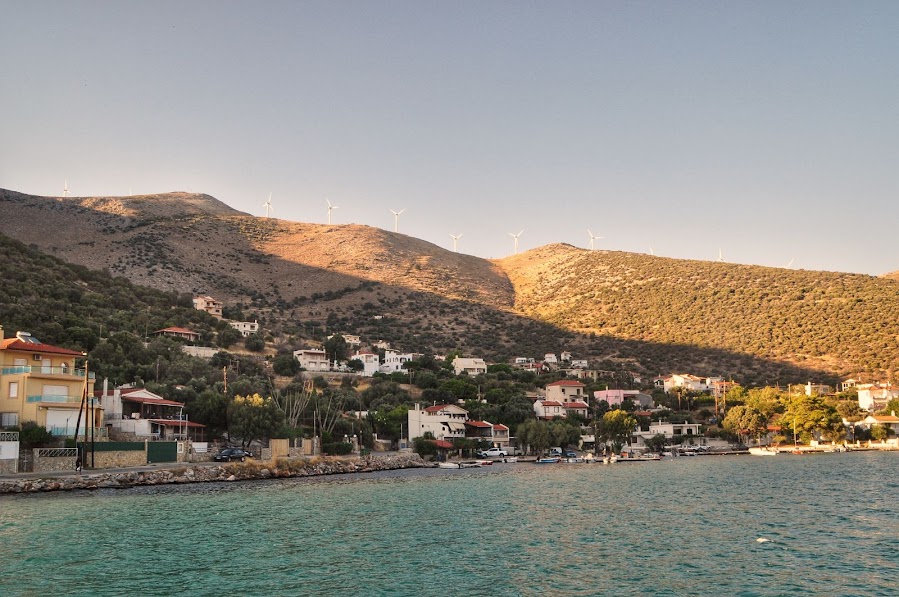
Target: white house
[(687, 381), (872, 397), (549, 409), (565, 390), (141, 414), (689, 431), (312, 359), (550, 359), (394, 361), (890, 421), (469, 366), (370, 363), (246, 328), (443, 421)]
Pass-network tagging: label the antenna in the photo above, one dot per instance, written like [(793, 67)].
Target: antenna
[(515, 236), (268, 205), (592, 238), (456, 238), (396, 219), (65, 189), (330, 207)]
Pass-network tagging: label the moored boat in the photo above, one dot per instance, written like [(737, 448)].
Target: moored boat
[(763, 451)]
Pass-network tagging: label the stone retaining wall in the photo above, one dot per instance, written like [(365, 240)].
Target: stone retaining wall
[(237, 471)]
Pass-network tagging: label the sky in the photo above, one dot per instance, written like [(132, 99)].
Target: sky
[(763, 132)]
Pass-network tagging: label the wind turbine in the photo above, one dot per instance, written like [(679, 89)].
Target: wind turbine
[(651, 251), (720, 256), (787, 266), (268, 205), (65, 189), (396, 219), (330, 207), (456, 238), (592, 238), (515, 236)]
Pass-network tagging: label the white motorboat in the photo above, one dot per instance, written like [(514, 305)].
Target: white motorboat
[(763, 451)]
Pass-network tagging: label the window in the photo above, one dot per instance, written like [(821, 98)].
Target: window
[(9, 419), (13, 389)]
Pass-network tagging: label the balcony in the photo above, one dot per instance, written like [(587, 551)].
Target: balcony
[(50, 398), (41, 370)]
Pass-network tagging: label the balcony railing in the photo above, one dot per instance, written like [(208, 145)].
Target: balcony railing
[(58, 399), (41, 370), (98, 432)]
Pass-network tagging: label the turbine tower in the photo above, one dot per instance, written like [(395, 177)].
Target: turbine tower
[(515, 236), (456, 238), (330, 207), (651, 251), (268, 205), (396, 219), (787, 266), (720, 256), (65, 189), (592, 238)]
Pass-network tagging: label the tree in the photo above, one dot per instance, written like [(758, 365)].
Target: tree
[(746, 421), (615, 427), (336, 348), (293, 402), (808, 414), (254, 343), (254, 418), (228, 336), (534, 434), (286, 365), (657, 443), (211, 409)]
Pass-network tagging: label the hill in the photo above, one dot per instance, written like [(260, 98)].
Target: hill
[(627, 312)]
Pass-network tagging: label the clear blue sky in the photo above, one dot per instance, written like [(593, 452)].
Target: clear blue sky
[(766, 129)]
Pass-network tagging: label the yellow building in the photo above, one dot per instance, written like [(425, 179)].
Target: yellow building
[(39, 382)]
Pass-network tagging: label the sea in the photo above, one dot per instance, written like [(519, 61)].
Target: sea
[(709, 525)]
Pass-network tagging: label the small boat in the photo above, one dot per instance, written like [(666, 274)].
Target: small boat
[(510, 459), (548, 460), (759, 451), (470, 464), (574, 460), (450, 465)]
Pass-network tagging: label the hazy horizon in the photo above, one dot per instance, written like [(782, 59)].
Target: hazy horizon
[(765, 131)]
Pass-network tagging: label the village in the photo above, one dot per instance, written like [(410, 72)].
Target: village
[(48, 387)]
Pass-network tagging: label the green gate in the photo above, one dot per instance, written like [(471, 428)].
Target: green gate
[(162, 452)]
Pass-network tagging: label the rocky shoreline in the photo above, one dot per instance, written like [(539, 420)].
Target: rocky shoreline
[(244, 471)]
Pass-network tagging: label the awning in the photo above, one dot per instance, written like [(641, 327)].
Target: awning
[(454, 426)]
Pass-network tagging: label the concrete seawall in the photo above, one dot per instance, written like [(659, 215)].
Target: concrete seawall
[(244, 471)]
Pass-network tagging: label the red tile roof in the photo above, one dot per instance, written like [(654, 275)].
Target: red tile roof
[(443, 444), (176, 330), (566, 382), (16, 344), (478, 424), (551, 403), (436, 408), (500, 426), (158, 401), (575, 404)]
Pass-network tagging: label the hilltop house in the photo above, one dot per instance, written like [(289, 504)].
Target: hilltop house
[(548, 409), (443, 421), (370, 363), (246, 328), (617, 397), (176, 332), (350, 339), (565, 390), (394, 361), (687, 381), (40, 383), (312, 359), (208, 304), (469, 366)]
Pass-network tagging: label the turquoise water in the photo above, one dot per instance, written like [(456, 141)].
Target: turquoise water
[(683, 527)]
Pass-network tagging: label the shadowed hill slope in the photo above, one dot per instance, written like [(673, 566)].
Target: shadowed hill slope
[(625, 311)]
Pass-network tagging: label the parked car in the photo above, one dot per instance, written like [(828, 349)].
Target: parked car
[(570, 454), (493, 453), (232, 454)]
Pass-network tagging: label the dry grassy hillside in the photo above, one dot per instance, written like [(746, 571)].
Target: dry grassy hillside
[(829, 321), (624, 311)]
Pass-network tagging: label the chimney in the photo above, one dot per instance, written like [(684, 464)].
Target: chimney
[(2, 337)]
